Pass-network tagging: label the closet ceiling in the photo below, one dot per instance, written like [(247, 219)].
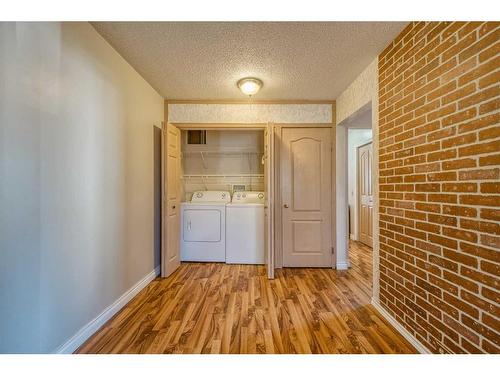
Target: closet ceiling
[(203, 60)]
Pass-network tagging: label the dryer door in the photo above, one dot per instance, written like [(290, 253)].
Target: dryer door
[(202, 225)]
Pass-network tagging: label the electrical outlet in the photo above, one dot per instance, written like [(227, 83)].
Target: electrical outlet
[(239, 188)]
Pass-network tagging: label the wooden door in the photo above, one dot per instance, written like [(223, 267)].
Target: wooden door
[(269, 192), (365, 194), (171, 148), (306, 196)]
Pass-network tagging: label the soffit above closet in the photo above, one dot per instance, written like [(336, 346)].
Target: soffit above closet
[(204, 60)]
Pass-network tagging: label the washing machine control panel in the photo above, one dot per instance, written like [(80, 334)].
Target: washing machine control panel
[(248, 197)]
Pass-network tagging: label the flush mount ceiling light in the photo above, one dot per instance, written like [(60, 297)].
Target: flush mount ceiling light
[(250, 86)]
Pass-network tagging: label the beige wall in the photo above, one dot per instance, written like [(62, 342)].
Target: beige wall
[(77, 192)]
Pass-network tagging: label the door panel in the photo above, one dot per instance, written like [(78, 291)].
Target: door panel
[(171, 200), (365, 194), (305, 165), (269, 161), (305, 152)]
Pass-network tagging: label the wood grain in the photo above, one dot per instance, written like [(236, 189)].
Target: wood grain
[(220, 308)]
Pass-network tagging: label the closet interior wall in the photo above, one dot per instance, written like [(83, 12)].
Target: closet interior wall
[(229, 157)]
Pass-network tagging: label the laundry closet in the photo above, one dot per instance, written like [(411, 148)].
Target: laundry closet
[(240, 189), (222, 193)]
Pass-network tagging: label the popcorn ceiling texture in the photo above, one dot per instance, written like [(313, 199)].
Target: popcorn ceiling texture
[(204, 60), (250, 113), (439, 184)]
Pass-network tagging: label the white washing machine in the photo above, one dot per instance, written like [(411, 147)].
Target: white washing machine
[(203, 227), (245, 228)]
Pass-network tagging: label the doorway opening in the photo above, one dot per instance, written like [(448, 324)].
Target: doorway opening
[(356, 203)]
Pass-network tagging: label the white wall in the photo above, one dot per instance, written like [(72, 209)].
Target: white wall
[(76, 177), (355, 138)]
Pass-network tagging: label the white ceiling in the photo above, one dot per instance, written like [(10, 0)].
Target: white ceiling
[(203, 60)]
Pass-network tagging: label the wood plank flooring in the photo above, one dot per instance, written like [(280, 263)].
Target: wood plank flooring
[(219, 308)]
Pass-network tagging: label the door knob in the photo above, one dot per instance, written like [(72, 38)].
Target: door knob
[(173, 207), (285, 205)]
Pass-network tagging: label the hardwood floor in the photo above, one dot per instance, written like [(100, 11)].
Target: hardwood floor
[(219, 308)]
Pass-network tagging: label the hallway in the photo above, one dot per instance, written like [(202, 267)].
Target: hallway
[(220, 308)]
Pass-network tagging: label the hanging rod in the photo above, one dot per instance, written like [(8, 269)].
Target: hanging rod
[(223, 175)]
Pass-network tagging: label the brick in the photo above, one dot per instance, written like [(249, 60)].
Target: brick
[(443, 155), (489, 133), (459, 141), (480, 148), (442, 176), (490, 214), (479, 123), (460, 258), (443, 241), (460, 234), (492, 241), (489, 160), (480, 226), (490, 294), (480, 200), (459, 211), (490, 79), (443, 220), (460, 187), (491, 187), (460, 281), (458, 164), (480, 276), (444, 198), (439, 189), (479, 174), (493, 268)]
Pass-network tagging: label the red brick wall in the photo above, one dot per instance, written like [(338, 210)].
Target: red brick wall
[(439, 98)]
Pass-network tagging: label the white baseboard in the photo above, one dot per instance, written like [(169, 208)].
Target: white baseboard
[(342, 265), (402, 330), (90, 328)]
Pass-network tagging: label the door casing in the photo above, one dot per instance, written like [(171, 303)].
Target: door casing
[(366, 240)]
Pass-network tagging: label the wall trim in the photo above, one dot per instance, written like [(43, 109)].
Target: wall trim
[(90, 328), (342, 266), (402, 330)]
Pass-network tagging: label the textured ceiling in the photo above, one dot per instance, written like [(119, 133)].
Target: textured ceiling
[(203, 60)]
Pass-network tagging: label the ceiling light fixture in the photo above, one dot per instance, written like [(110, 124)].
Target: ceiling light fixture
[(250, 86)]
